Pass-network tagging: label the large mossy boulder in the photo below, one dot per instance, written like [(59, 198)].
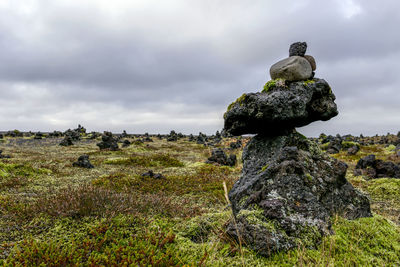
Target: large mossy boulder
[(288, 192), (289, 189), (281, 106)]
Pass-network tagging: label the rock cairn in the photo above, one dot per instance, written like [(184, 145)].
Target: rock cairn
[(83, 162), (289, 189), (108, 142)]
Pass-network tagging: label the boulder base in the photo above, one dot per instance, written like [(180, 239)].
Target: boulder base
[(288, 192)]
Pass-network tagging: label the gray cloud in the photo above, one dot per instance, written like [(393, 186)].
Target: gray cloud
[(155, 66)]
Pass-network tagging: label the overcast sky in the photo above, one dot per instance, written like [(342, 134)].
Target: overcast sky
[(153, 66)]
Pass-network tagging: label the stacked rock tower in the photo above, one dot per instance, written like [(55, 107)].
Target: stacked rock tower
[(289, 189)]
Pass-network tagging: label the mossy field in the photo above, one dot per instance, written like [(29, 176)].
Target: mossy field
[(54, 214)]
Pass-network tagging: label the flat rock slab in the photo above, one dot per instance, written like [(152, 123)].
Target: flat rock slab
[(294, 68), (281, 107), (288, 192)]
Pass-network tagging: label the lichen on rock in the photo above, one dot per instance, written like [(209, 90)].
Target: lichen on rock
[(289, 188)]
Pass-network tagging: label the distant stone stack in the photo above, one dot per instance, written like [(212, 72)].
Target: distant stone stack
[(289, 189)]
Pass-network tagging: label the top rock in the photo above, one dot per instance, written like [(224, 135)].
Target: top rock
[(298, 49)]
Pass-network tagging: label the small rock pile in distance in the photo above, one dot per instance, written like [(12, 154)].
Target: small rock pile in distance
[(108, 142), (151, 174), (83, 162), (289, 189), (219, 156), (376, 168), (2, 156)]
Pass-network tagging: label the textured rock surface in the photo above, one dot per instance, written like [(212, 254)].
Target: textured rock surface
[(108, 142), (298, 49), (219, 156), (288, 192), (282, 107), (83, 162), (312, 62), (294, 68), (376, 168)]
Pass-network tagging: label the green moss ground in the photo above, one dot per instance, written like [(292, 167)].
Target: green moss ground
[(53, 214)]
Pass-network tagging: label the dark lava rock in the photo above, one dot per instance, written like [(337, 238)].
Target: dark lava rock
[(126, 143), (4, 156), (353, 150), (67, 141), (1, 136), (201, 139), (38, 136), (108, 142), (236, 145), (191, 138), (281, 107), (376, 168), (147, 139), (287, 193), (172, 137), (219, 156), (83, 162), (151, 174), (367, 161), (298, 49), (75, 135)]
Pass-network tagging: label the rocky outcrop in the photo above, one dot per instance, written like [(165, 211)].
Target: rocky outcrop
[(281, 107), (289, 189), (288, 192)]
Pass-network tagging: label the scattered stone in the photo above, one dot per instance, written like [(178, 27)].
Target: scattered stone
[(236, 145), (126, 143), (201, 139), (38, 136), (4, 156), (219, 156), (291, 69), (376, 168), (172, 137), (147, 139), (298, 49), (108, 142), (191, 138), (83, 162), (353, 150), (311, 60), (56, 134), (281, 108), (67, 141), (80, 129), (75, 135), (151, 174)]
